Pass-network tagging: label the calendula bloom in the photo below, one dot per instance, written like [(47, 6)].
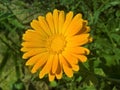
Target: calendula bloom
[(54, 45)]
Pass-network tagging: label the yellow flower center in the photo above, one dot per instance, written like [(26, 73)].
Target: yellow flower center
[(56, 44)]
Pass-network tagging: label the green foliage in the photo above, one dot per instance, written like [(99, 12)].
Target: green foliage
[(100, 72)]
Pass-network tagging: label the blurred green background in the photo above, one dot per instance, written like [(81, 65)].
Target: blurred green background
[(100, 72)]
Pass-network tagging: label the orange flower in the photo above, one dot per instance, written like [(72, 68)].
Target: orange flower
[(54, 44)]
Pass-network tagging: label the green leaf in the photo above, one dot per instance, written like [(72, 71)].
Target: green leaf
[(103, 8), (115, 37), (5, 15), (4, 60), (18, 85), (53, 84)]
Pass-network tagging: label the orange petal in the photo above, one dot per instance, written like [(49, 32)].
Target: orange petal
[(31, 35), (69, 58), (35, 24), (68, 19), (75, 67), (59, 75), (85, 22), (90, 39), (40, 62), (55, 19), (55, 63), (77, 50), (67, 69), (39, 44), (49, 19), (72, 60), (75, 29), (75, 25), (23, 49), (59, 70), (51, 77), (44, 25), (61, 21), (47, 67), (34, 59), (78, 40), (33, 52), (85, 29), (82, 58)]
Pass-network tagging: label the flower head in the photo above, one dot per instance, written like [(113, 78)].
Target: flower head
[(54, 44)]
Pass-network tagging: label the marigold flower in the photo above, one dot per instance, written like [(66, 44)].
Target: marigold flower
[(54, 44)]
